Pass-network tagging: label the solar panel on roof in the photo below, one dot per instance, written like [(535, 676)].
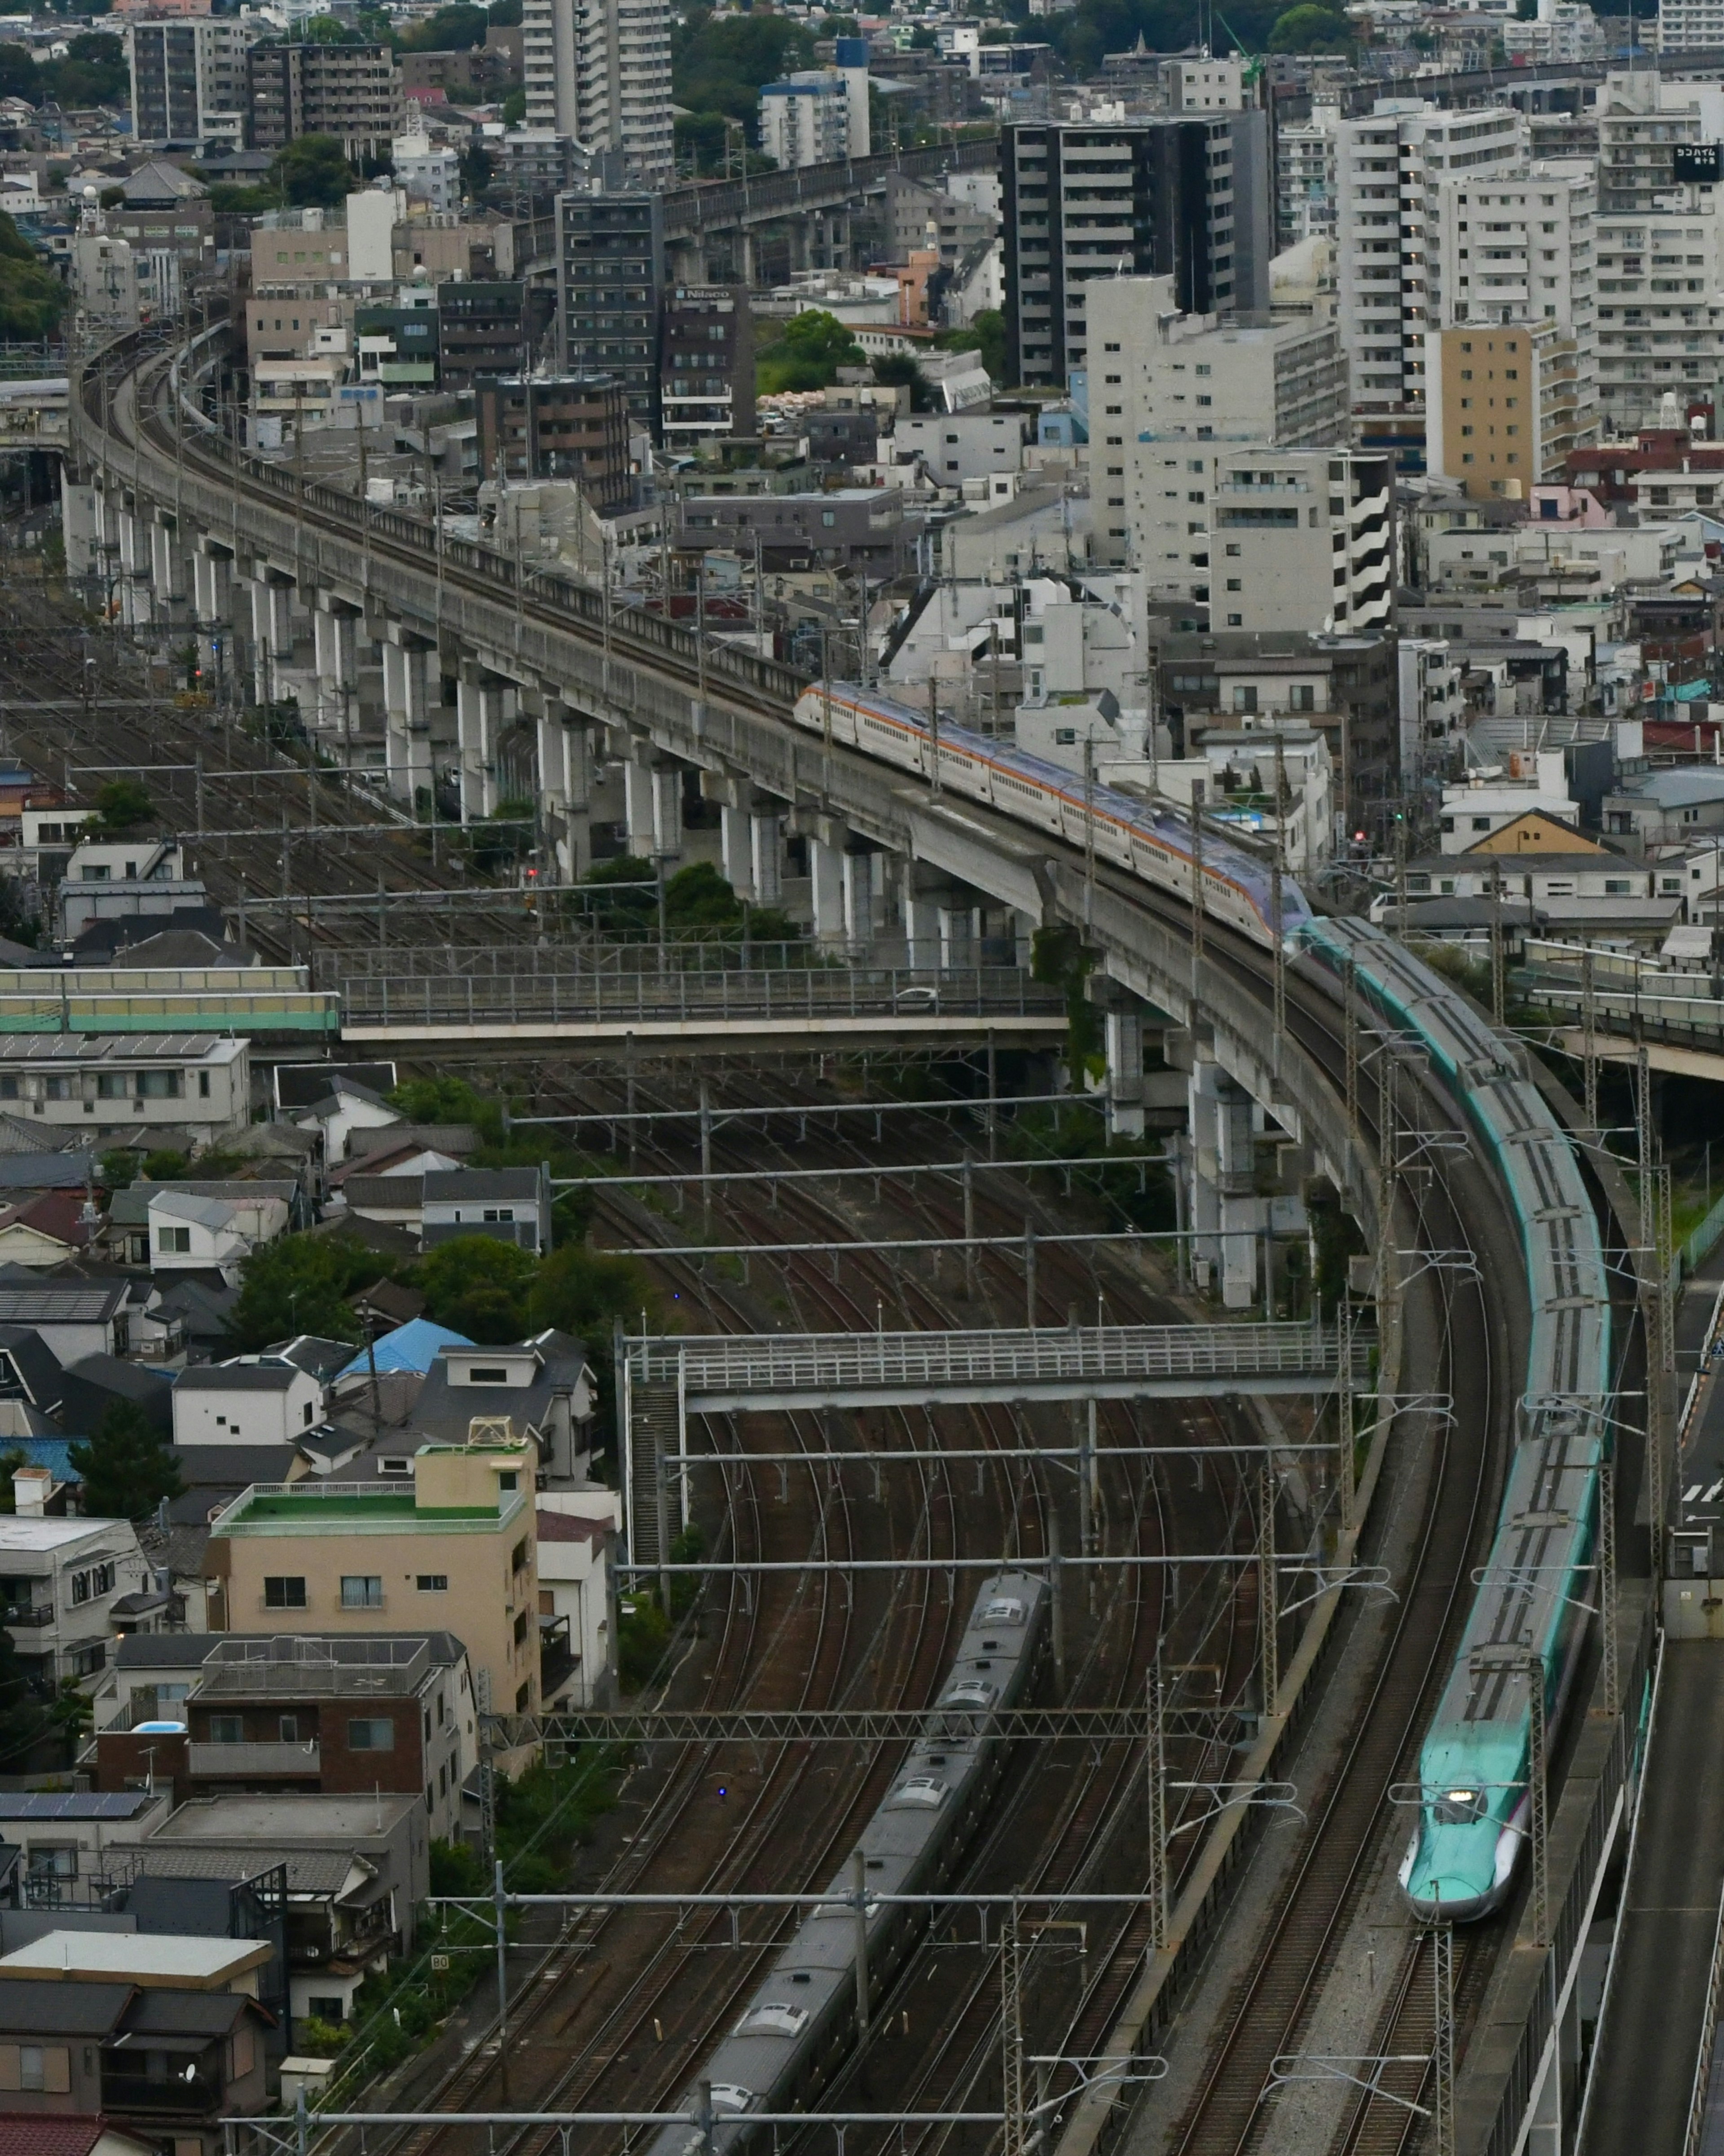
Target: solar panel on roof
[(84, 1804)]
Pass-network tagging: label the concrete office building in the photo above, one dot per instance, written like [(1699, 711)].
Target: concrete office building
[(556, 426), (599, 72), (1186, 198), (818, 115), (1389, 171), (610, 256), (705, 365)]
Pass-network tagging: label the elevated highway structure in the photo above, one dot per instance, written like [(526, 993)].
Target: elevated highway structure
[(547, 681)]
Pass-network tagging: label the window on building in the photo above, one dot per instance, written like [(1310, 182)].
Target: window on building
[(284, 1592), (370, 1733), (174, 1241), (434, 1583), (226, 1729), (361, 1590)]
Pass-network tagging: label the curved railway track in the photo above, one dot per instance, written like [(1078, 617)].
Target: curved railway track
[(1228, 2114)]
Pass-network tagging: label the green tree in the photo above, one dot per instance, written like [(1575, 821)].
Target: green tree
[(986, 333), (809, 355), (23, 1722), (924, 40), (164, 1165), (505, 14), (300, 1284), (479, 1286), (455, 29), (127, 1467), (447, 1100), (312, 173), (898, 370), (11, 1460), (94, 72), (719, 63), (329, 30), (1308, 28), (122, 805), (514, 109), (32, 298), (579, 1291)]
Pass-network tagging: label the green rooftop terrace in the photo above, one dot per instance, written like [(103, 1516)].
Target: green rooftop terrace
[(323, 1505)]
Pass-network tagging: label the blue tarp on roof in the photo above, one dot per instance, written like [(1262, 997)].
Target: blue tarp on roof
[(410, 1347)]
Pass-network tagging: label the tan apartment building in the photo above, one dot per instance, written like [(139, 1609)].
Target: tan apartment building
[(447, 1541), (1505, 406)]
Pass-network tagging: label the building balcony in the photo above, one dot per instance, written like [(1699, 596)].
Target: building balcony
[(28, 1614), (212, 1762)]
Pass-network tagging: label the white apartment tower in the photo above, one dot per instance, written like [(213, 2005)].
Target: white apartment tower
[(1660, 281), (599, 70), (1305, 176), (1218, 468), (1390, 172)]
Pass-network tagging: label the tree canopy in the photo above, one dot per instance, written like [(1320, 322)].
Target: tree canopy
[(1310, 28), (457, 28), (809, 355), (720, 64), (32, 298), (122, 805), (301, 1285), (127, 1467), (312, 173), (985, 334), (698, 902)]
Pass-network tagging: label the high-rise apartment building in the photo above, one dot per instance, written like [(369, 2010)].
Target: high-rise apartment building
[(600, 71), (1506, 405), (188, 80), (1688, 26), (819, 115), (1305, 176), (705, 365), (1389, 170), (1660, 247), (1186, 198), (352, 92), (1186, 414), (610, 275), (1520, 248)]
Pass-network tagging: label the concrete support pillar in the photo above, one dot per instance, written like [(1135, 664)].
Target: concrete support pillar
[(211, 589), (734, 852), (167, 583), (136, 598), (857, 870), (667, 812), (921, 928), (1124, 1035), (766, 854), (1226, 1215), (335, 634), (826, 890), (272, 632), (407, 719), (957, 934), (638, 806), (481, 715), (564, 786)]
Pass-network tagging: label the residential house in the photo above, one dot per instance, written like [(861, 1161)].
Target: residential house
[(256, 1399), (543, 1387), (47, 1230), (362, 1866), (32, 1383), (333, 1715), (125, 861), (72, 1317), (454, 1546), (192, 1233), (512, 1204), (109, 1086), (69, 2133), (59, 1579), (386, 1304), (414, 1347), (347, 1106), (164, 2063), (93, 1384), (577, 1532), (68, 1836)]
